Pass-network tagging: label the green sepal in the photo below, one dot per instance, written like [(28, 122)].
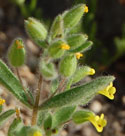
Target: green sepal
[(16, 53), (73, 16), (48, 122), (8, 80), (41, 117), (4, 116), (84, 47), (57, 30), (76, 40), (54, 85), (36, 31), (68, 65), (48, 70), (48, 125), (24, 130), (15, 127), (82, 94), (81, 116), (55, 50), (80, 73), (62, 115)]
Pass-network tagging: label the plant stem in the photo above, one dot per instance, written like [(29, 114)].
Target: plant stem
[(18, 74), (19, 77), (35, 108), (59, 87)]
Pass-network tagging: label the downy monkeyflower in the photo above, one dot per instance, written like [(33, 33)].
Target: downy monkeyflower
[(2, 101), (65, 46), (91, 72), (86, 9), (37, 133), (109, 91), (79, 55), (98, 122)]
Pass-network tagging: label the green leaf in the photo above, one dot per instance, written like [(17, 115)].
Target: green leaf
[(15, 127), (81, 116), (54, 85), (62, 115), (76, 40), (48, 122), (41, 117), (57, 28), (4, 117), (8, 80), (48, 125), (82, 94)]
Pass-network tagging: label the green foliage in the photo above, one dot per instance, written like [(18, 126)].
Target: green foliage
[(60, 49), (81, 116), (78, 95), (5, 116), (36, 31), (76, 40), (55, 50), (68, 65), (8, 80), (17, 49), (62, 115)]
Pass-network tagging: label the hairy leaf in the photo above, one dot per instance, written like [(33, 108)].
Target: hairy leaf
[(82, 94), (8, 80)]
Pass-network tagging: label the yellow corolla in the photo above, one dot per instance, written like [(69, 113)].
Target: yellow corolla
[(2, 101), (79, 55), (92, 71), (98, 122), (37, 133), (86, 9), (65, 46), (109, 91)]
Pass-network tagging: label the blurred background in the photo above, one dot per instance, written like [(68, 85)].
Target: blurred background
[(105, 26)]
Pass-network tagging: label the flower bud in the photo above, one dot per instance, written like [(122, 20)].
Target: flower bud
[(57, 49), (81, 72), (84, 47), (76, 40), (57, 28), (16, 53), (68, 65), (73, 16), (36, 31), (48, 70)]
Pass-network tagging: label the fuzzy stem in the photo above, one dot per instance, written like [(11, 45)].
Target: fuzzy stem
[(35, 108), (19, 77), (59, 87)]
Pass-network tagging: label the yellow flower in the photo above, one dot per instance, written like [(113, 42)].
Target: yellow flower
[(109, 91), (37, 133), (65, 46), (17, 112), (79, 55), (2, 101), (92, 71), (98, 122), (86, 9)]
